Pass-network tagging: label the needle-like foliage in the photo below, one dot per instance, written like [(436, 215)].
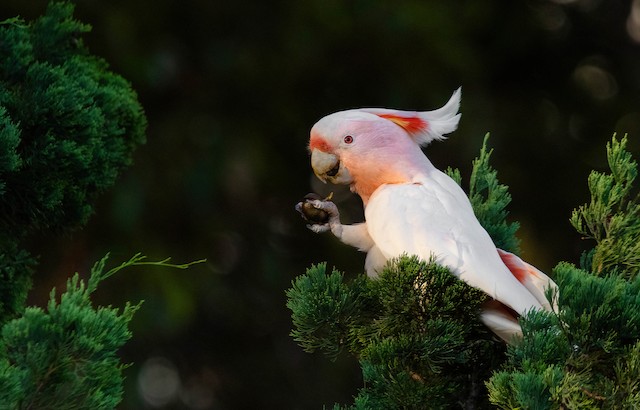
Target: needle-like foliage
[(68, 126), (611, 217), (326, 310), (415, 340), (64, 356), (587, 354)]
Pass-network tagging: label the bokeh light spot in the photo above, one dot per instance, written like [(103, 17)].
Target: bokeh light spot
[(158, 382)]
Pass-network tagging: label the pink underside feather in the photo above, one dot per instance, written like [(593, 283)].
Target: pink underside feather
[(519, 270)]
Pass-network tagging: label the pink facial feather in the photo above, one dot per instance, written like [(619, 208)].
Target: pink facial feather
[(317, 142)]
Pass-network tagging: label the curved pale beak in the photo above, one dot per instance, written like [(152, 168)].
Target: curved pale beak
[(328, 167)]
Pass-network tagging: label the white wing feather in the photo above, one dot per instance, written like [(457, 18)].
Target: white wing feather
[(433, 216)]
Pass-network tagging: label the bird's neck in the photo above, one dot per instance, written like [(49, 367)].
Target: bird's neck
[(391, 171)]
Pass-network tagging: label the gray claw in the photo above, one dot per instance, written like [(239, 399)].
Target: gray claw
[(319, 228), (327, 206)]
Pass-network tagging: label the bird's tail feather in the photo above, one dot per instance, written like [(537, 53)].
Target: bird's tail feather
[(533, 279), (501, 321)]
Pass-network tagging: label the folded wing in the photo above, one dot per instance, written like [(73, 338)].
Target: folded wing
[(436, 218)]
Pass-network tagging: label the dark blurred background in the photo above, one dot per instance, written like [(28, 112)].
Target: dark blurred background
[(231, 89)]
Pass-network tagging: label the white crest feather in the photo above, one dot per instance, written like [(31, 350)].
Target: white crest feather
[(443, 120), (438, 122)]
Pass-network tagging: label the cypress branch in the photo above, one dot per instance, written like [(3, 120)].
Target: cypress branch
[(611, 217), (415, 340), (65, 356), (586, 354), (16, 269), (67, 124), (325, 310)]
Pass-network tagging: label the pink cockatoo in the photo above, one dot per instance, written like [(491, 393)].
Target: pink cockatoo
[(413, 208)]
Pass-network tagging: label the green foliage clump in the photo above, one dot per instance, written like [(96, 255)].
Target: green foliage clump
[(415, 329), (326, 310), (586, 355), (611, 217), (415, 340), (16, 269), (65, 357), (67, 124)]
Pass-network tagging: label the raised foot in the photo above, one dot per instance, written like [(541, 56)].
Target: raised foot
[(320, 213)]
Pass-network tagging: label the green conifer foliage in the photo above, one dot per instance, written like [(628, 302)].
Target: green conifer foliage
[(64, 357), (586, 355), (611, 217), (67, 124), (327, 310), (16, 268), (415, 329)]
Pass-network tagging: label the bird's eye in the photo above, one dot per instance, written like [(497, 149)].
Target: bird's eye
[(348, 139)]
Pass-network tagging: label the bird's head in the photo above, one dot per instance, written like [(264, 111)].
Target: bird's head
[(367, 147)]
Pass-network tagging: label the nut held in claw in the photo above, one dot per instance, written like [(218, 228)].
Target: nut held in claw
[(310, 213)]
